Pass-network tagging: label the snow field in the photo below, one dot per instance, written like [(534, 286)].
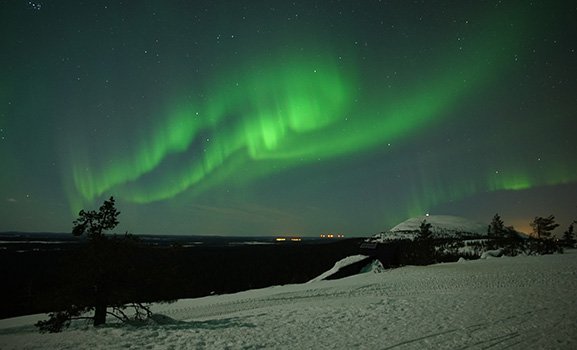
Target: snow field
[(497, 303)]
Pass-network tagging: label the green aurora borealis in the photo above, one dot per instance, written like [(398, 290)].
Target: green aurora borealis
[(223, 119)]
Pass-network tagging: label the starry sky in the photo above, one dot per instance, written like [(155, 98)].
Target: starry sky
[(286, 117)]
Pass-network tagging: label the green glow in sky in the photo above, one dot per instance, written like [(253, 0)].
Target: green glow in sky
[(256, 114), (293, 110), (213, 117), (297, 111)]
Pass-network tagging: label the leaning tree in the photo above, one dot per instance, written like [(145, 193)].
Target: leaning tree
[(98, 285)]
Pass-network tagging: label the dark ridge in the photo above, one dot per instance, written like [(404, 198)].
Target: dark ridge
[(35, 281)]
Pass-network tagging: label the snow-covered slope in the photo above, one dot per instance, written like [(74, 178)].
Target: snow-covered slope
[(441, 225), (497, 303)]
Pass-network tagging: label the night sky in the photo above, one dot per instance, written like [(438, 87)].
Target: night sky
[(282, 117)]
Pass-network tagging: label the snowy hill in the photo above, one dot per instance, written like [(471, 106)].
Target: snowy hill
[(442, 226), (497, 303)]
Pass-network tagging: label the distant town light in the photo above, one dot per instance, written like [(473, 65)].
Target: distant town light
[(331, 235), (288, 239)]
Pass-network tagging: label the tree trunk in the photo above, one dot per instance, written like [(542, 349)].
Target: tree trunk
[(99, 304), (99, 314)]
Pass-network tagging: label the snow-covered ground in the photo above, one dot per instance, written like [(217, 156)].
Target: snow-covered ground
[(496, 303)]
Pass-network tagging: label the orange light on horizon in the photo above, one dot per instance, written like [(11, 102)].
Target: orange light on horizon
[(288, 239), (331, 235)]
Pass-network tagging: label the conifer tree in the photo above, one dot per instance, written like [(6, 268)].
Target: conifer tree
[(569, 236), (543, 227), (103, 263), (94, 224), (497, 227), (425, 230)]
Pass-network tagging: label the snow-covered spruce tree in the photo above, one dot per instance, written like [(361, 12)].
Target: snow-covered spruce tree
[(421, 251), (425, 230), (543, 227), (102, 269)]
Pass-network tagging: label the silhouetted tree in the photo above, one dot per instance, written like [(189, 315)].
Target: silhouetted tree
[(510, 232), (543, 227), (103, 269), (497, 227), (568, 239), (94, 224)]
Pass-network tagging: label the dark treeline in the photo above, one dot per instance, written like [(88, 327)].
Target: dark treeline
[(41, 281)]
